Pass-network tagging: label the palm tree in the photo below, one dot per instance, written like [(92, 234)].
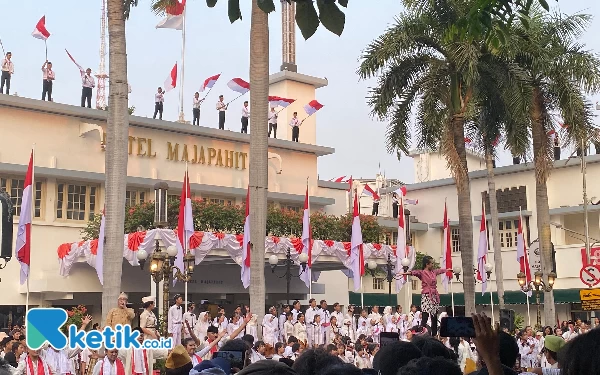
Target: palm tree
[(558, 69), (117, 132), (421, 65)]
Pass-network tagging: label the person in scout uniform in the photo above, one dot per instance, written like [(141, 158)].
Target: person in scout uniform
[(148, 321), (120, 314)]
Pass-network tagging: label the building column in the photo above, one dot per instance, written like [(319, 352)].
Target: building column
[(558, 234)]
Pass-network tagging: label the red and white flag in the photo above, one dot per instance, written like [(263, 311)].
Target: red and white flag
[(239, 85), (312, 107), (350, 183), (522, 256), (209, 82), (357, 258), (413, 202), (171, 81), (277, 101), (246, 245), (370, 192), (446, 250), (23, 244), (185, 224), (482, 252), (40, 31), (338, 179), (100, 251), (75, 62), (174, 18), (306, 276), (401, 250)]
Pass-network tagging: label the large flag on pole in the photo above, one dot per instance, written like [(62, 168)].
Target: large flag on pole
[(370, 192), (239, 85), (174, 18), (312, 107), (246, 245), (447, 250), (356, 248), (171, 81), (23, 244), (100, 251), (40, 31), (401, 249), (306, 276), (522, 256), (482, 252), (185, 224), (209, 82)]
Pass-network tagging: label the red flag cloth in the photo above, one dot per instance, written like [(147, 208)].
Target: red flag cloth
[(171, 81), (174, 18), (209, 82), (246, 245), (482, 251), (23, 244), (239, 85), (447, 250), (370, 192), (75, 62), (312, 107), (40, 31)]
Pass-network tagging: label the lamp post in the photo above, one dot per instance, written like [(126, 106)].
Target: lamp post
[(162, 263), (488, 267), (274, 260), (537, 285), (6, 229), (390, 275)]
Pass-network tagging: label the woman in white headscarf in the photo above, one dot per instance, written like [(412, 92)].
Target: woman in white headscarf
[(389, 320), (402, 326), (202, 325), (269, 329)]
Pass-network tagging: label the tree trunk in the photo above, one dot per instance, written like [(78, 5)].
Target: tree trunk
[(259, 84), (542, 168), (465, 218), (115, 156), (496, 235)]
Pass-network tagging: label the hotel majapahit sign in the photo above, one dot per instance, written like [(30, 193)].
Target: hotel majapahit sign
[(182, 152)]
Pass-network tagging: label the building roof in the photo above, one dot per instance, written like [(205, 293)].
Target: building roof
[(88, 114)]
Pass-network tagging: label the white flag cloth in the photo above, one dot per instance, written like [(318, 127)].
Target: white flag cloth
[(482, 252), (245, 275), (522, 256), (306, 276), (174, 18), (356, 246), (40, 31), (100, 250), (185, 225), (23, 243), (401, 250)]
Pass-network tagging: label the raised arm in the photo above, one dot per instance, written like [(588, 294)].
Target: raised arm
[(191, 331)]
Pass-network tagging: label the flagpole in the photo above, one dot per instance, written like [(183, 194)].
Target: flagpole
[(32, 205), (181, 115), (236, 98), (280, 110), (528, 312), (310, 288), (309, 116), (492, 304), (362, 294), (452, 294), (3, 53), (185, 239)]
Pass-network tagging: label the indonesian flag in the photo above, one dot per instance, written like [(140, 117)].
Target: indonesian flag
[(412, 202), (171, 81), (350, 183), (401, 250), (174, 19), (23, 244), (40, 31), (522, 256), (277, 101), (209, 82), (239, 85), (100, 251), (246, 245), (312, 107), (482, 252), (75, 62), (357, 258), (338, 179), (306, 276), (447, 250), (370, 192), (185, 225)]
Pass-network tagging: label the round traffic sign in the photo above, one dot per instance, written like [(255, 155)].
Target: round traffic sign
[(590, 275)]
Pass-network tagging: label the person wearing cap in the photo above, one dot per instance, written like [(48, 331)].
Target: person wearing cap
[(189, 317), (552, 346), (175, 320), (120, 314), (148, 321)]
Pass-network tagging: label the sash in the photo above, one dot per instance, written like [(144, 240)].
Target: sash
[(120, 367), (145, 362), (198, 358), (40, 367)]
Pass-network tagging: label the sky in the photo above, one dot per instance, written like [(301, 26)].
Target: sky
[(213, 45)]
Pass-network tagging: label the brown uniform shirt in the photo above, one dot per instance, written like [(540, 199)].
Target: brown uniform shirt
[(119, 316)]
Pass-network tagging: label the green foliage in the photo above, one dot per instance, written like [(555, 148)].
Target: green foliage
[(213, 217), (159, 364), (519, 321), (74, 316), (330, 15), (130, 109)]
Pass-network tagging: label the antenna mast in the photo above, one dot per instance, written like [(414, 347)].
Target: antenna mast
[(288, 36), (102, 76)]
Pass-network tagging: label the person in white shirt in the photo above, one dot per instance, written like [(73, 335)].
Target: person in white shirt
[(270, 327), (221, 107), (189, 317), (175, 320), (213, 335), (295, 311), (288, 327), (282, 319), (339, 315), (159, 100), (273, 123), (141, 361), (8, 69), (258, 352), (279, 351), (570, 333), (87, 83), (196, 108), (300, 329), (295, 124), (111, 364), (325, 321), (48, 76), (364, 325), (34, 362), (197, 355), (245, 116), (375, 321)]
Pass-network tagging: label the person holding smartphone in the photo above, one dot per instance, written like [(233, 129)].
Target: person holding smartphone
[(430, 297)]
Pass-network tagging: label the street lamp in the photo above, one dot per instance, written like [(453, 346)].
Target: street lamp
[(162, 263), (390, 274), (302, 258), (488, 267), (537, 285)]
